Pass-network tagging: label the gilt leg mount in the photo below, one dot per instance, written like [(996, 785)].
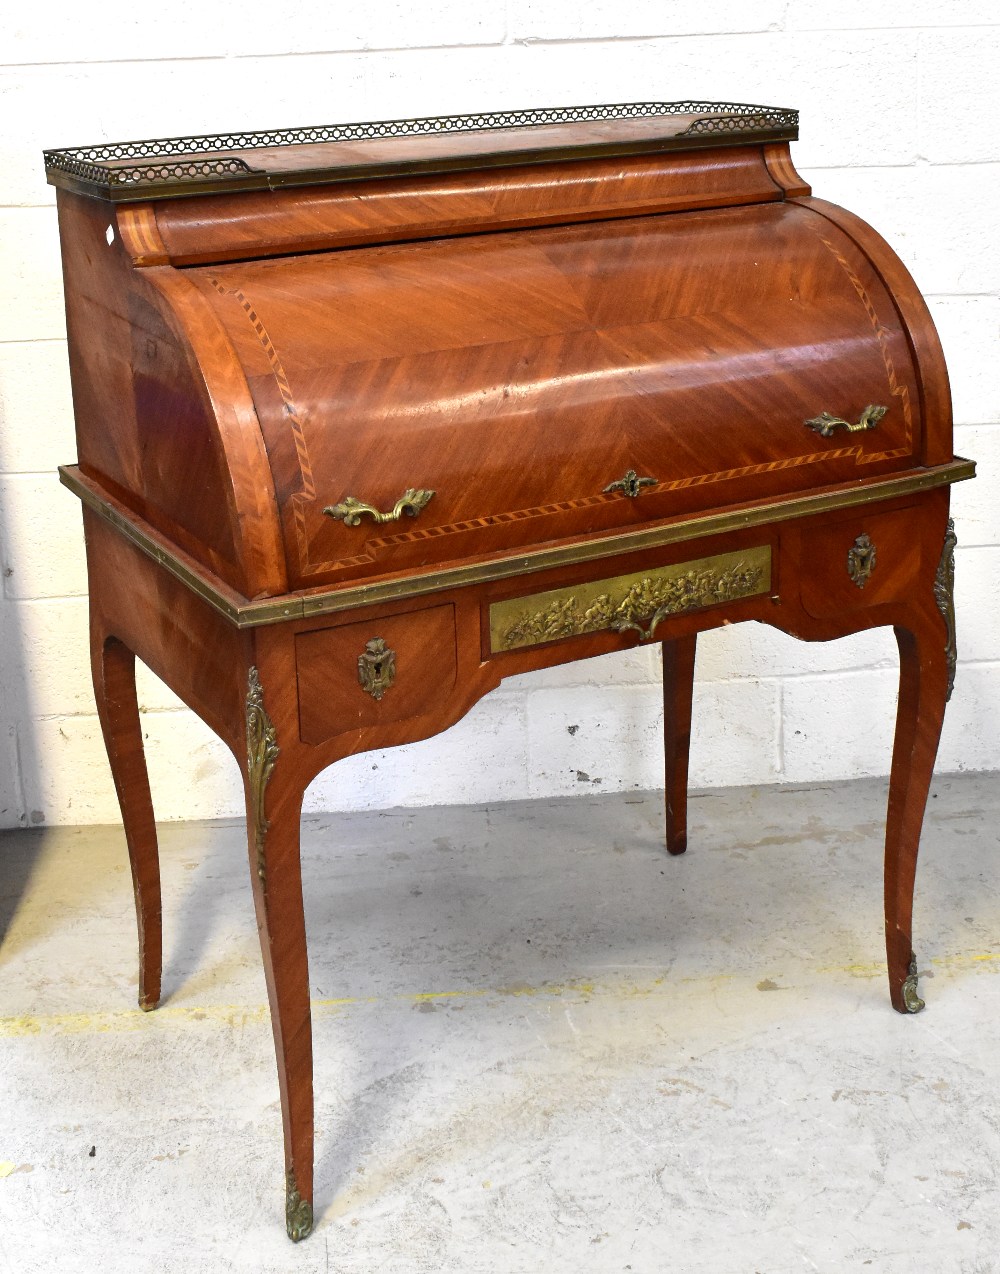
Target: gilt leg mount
[(298, 1211), (262, 752), (911, 999), (944, 596)]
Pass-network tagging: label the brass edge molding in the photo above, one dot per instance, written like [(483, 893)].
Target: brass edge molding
[(944, 596), (637, 601), (246, 614), (298, 1211), (262, 752), (911, 999), (199, 579)]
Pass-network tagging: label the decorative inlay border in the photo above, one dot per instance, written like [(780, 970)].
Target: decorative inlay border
[(308, 493), (895, 388), (373, 547)]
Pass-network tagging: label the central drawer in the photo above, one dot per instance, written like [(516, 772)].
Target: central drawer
[(629, 602)]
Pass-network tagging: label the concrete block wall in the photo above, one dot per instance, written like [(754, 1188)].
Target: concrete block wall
[(900, 122)]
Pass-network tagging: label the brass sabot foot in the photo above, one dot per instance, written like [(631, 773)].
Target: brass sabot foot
[(298, 1211), (911, 1000)]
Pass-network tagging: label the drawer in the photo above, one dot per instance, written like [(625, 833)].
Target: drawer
[(629, 602), (374, 672), (861, 561)]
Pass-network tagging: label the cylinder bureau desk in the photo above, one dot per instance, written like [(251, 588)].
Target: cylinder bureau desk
[(372, 416)]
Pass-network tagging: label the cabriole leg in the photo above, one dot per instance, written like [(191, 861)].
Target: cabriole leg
[(924, 677), (113, 666), (678, 681), (274, 806)]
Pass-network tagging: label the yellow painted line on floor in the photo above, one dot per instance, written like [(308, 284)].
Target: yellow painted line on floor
[(127, 1020), (877, 969), (957, 961), (237, 1016)]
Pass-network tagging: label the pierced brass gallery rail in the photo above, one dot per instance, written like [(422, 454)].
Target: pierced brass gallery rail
[(351, 510), (636, 601), (824, 424)]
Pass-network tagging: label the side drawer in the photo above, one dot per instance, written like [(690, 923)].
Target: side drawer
[(860, 561), (407, 662)]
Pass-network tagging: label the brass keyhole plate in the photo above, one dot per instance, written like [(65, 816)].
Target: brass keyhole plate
[(376, 668)]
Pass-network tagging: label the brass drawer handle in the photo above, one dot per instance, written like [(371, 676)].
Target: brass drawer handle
[(350, 510), (825, 423), (376, 668), (631, 485), (645, 633)]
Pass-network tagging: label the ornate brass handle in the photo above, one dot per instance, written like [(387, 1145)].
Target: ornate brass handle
[(350, 510), (825, 423), (631, 484), (645, 634)]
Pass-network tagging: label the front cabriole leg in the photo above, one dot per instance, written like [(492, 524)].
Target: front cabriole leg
[(927, 661), (274, 804)]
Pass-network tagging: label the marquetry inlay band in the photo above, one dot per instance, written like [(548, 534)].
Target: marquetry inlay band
[(628, 601)]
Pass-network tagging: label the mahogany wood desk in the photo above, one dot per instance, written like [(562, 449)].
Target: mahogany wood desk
[(372, 416)]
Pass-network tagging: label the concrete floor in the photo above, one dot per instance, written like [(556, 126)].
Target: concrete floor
[(541, 1045)]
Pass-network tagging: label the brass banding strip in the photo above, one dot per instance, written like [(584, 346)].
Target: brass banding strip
[(273, 610)]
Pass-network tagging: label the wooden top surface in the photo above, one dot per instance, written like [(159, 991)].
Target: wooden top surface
[(172, 167)]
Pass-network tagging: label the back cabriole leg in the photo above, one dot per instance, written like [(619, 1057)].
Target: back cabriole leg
[(113, 666)]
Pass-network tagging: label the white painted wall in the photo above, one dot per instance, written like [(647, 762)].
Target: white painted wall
[(900, 122)]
